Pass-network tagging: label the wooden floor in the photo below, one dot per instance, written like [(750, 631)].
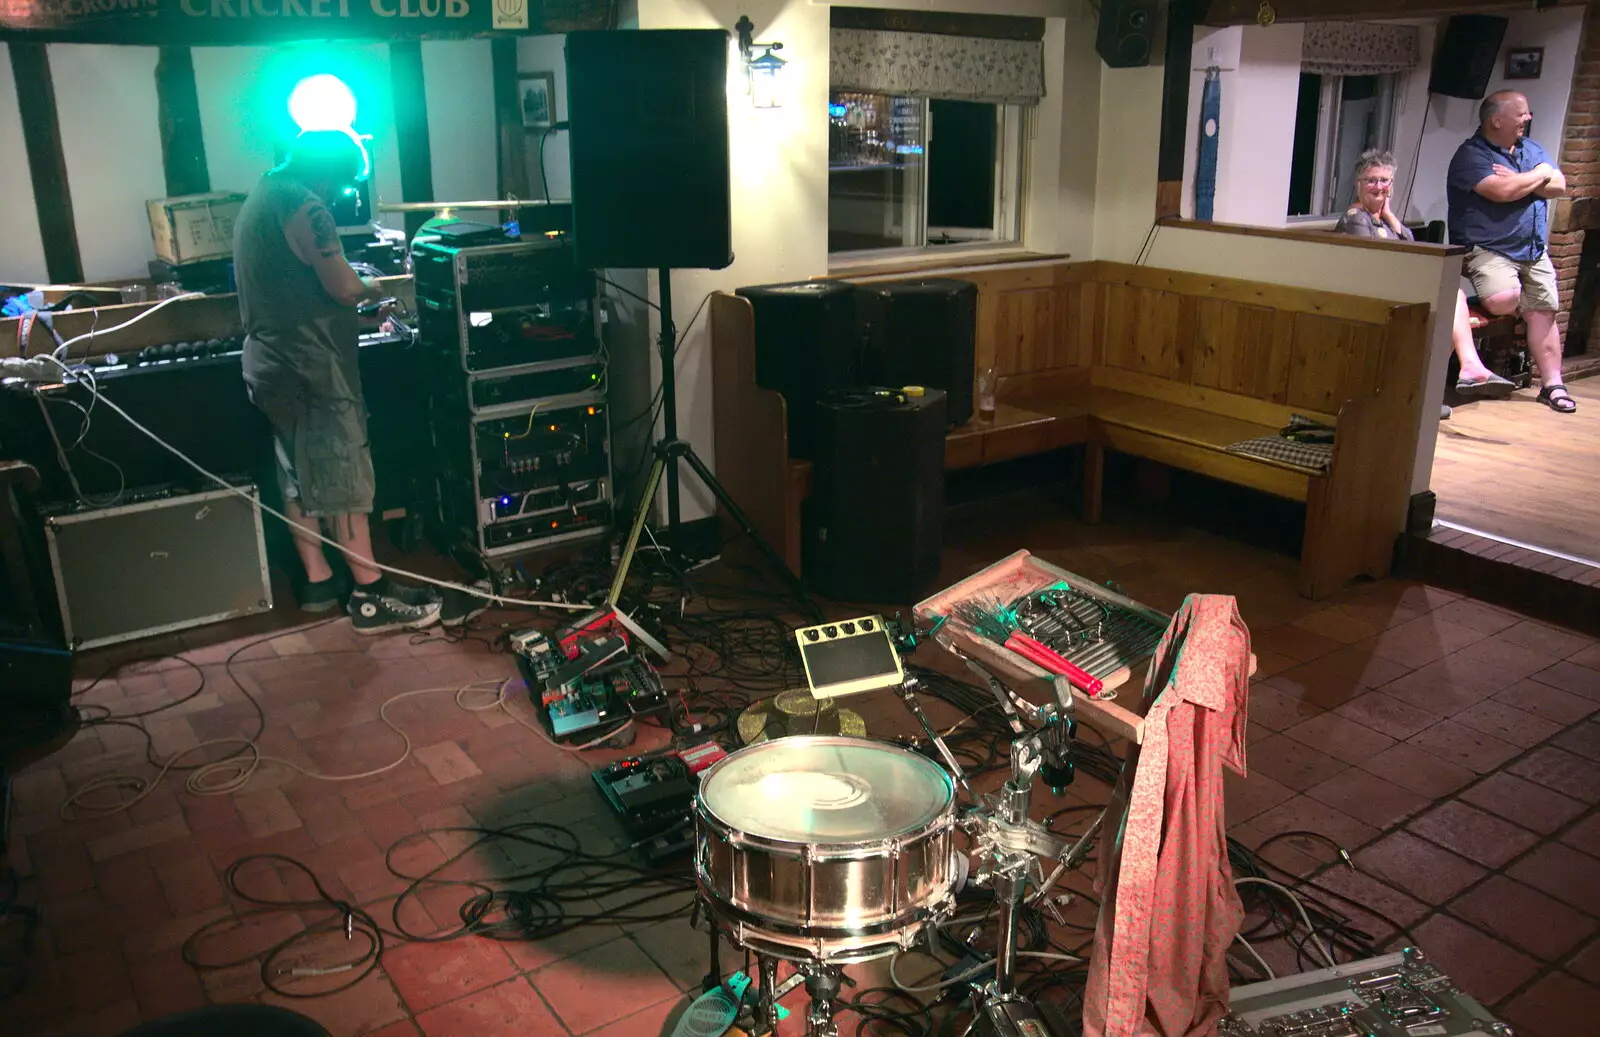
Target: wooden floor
[(1516, 469)]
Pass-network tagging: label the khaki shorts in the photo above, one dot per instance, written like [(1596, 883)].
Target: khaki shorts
[(1493, 274), (324, 463)]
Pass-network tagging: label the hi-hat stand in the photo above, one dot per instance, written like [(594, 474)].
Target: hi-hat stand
[(668, 452)]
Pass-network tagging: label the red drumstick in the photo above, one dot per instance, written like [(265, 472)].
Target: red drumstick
[(1053, 661)]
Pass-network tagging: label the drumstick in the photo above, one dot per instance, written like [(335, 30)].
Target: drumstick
[(1054, 662)]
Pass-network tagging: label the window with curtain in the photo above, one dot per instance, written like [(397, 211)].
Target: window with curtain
[(926, 128)]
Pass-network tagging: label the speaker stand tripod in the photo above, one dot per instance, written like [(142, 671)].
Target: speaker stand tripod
[(668, 452)]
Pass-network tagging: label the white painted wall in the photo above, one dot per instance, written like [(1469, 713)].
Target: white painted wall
[(21, 249), (1130, 144), (1452, 119), (106, 107), (459, 78), (548, 54)]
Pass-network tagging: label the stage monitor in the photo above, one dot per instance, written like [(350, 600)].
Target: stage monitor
[(649, 143)]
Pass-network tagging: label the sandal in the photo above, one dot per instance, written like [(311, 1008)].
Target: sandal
[(1494, 387), (1563, 404)]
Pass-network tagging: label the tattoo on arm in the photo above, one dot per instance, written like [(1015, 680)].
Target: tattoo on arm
[(324, 232)]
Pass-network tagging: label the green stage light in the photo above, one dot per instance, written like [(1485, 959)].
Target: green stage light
[(322, 102)]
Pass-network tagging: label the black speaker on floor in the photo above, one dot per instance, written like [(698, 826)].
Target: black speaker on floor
[(1126, 33), (875, 520), (650, 178), (922, 333), (807, 343), (1465, 58)]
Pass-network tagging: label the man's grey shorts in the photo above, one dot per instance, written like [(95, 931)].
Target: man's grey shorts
[(324, 462), (1493, 274)]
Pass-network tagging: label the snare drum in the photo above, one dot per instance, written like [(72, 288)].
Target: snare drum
[(825, 848)]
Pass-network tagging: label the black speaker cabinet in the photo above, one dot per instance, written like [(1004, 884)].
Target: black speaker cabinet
[(1126, 33), (807, 343), (649, 145), (1465, 59), (922, 333), (875, 520)]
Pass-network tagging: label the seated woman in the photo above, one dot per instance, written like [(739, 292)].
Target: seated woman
[(1371, 217)]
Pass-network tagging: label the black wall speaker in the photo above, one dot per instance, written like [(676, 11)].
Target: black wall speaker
[(922, 333), (1126, 33), (1465, 59), (807, 343), (875, 520), (649, 145)]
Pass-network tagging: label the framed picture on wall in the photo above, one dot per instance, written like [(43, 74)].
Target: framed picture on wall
[(536, 94), (1524, 62)]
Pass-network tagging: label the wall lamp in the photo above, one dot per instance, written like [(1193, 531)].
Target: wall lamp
[(764, 70)]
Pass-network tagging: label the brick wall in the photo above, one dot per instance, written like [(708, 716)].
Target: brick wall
[(1580, 155)]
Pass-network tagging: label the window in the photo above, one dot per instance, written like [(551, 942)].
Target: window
[(1338, 118), (912, 174)]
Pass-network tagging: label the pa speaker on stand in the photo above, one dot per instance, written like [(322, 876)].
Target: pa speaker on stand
[(875, 520), (1464, 60)]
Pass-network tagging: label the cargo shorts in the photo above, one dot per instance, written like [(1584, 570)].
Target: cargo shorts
[(1492, 273), (324, 462)]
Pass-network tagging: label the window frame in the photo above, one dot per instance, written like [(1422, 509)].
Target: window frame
[(1325, 180), (1015, 139)]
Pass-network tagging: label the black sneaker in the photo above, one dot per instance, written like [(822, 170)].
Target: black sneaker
[(460, 606), (322, 596), (381, 613)]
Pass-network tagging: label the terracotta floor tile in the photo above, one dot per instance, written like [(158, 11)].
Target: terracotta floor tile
[(1502, 661), (509, 1009), (1361, 663), (1573, 678), (431, 974), (165, 984), (1556, 642), (1368, 798), (1584, 739), (1586, 963), (1474, 615), (1483, 966), (1435, 690), (1337, 624), (1247, 797), (1507, 723), (1319, 687), (1295, 642), (1423, 640), (1340, 737), (369, 1005), (1563, 771), (1304, 814), (1563, 873), (1524, 917), (1558, 1005), (1472, 833), (1356, 894), (1585, 835), (1589, 657), (531, 955), (403, 1028), (602, 985), (1276, 710), (654, 1020), (1429, 873), (1532, 806), (684, 955), (1460, 744), (1417, 770), (1389, 716), (1293, 763)]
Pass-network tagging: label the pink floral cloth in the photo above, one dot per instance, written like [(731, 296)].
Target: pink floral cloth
[(1168, 907)]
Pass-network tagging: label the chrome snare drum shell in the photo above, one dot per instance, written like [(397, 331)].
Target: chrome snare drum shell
[(824, 846)]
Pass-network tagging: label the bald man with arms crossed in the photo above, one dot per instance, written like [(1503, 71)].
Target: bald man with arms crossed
[(298, 297), (1499, 187)]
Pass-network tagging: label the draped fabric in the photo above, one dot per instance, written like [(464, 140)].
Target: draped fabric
[(925, 64), (1359, 48), (1205, 174)]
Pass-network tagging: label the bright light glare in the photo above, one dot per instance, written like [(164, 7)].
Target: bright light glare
[(322, 102)]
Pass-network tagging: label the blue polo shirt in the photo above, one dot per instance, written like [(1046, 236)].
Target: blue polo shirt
[(1517, 230)]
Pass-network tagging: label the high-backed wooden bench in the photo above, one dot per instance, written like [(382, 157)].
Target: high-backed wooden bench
[(1164, 365)]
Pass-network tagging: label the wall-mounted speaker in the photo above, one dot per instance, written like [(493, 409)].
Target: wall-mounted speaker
[(1465, 59), (651, 186), (1127, 32)]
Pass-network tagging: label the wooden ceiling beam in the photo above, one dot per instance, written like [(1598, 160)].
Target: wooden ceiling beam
[(1247, 12)]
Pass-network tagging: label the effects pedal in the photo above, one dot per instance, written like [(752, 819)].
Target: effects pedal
[(1394, 995), (604, 684), (653, 797), (849, 657)]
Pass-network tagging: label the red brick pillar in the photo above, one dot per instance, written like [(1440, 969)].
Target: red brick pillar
[(1580, 161)]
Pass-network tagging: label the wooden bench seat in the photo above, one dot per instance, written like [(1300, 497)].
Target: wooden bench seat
[(1160, 364)]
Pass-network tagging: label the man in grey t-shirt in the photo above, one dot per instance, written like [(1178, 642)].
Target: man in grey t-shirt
[(298, 297)]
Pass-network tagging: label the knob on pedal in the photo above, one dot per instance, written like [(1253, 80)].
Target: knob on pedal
[(831, 631)]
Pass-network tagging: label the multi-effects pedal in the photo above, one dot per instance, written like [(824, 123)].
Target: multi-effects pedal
[(849, 657)]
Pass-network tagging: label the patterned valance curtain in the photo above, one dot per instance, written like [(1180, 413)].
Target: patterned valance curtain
[(925, 64), (1359, 48)]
